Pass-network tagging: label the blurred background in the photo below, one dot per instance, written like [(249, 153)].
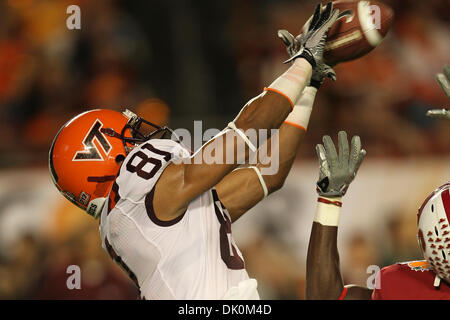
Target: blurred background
[(179, 61)]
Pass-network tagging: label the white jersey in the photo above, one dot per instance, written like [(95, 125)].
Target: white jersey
[(191, 257)]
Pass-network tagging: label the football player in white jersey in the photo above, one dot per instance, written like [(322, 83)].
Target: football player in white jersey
[(167, 222)]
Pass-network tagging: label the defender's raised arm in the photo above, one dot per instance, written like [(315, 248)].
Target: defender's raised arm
[(323, 275)]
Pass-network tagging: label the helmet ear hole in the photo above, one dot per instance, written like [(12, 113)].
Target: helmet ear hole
[(119, 158)]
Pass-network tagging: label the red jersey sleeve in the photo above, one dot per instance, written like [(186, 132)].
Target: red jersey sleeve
[(412, 280)]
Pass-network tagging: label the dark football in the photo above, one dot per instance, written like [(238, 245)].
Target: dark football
[(364, 26)]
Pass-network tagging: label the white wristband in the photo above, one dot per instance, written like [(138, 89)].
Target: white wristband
[(327, 211), (291, 83), (299, 116), (261, 181)]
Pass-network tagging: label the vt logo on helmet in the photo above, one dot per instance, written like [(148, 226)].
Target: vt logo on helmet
[(90, 151), (87, 152)]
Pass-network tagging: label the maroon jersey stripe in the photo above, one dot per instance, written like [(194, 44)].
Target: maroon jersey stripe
[(446, 201)]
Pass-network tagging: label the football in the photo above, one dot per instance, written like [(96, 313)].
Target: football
[(362, 29)]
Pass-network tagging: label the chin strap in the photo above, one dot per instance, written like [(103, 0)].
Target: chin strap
[(437, 282), (95, 207), (343, 294)]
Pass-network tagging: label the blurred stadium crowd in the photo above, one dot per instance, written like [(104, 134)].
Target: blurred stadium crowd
[(179, 61)]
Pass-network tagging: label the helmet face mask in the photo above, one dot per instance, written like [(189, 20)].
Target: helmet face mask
[(87, 152), (134, 125), (434, 231)]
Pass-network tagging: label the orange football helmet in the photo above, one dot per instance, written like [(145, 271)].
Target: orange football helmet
[(87, 152)]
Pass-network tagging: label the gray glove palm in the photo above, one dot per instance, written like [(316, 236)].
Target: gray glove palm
[(320, 72), (338, 171), (444, 81), (312, 44)]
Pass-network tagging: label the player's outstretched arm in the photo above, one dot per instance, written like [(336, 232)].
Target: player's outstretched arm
[(267, 111), (242, 189), (191, 178), (337, 171)]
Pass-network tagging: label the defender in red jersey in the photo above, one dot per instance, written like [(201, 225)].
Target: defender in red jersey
[(414, 280), (427, 279)]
